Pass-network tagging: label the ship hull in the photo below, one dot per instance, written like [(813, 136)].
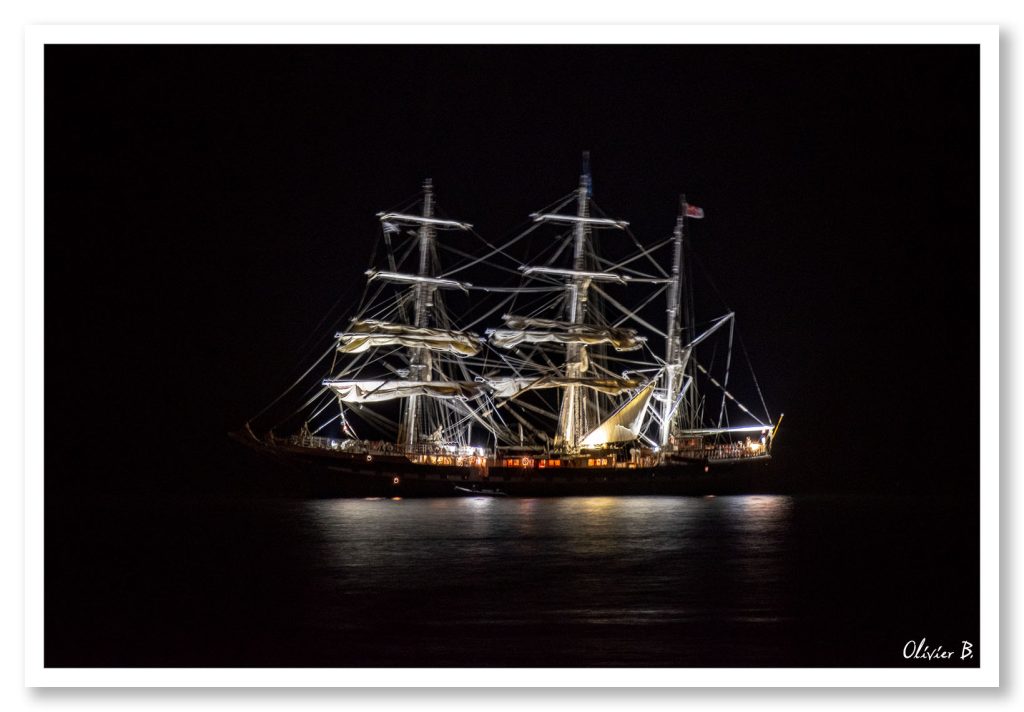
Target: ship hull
[(321, 472)]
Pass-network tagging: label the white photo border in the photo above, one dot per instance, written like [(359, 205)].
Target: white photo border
[(36, 39)]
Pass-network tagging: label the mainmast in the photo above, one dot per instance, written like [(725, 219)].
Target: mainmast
[(572, 421), (421, 362)]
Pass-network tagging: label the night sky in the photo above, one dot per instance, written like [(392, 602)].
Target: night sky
[(207, 206)]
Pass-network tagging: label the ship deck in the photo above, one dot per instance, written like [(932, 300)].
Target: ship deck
[(391, 474)]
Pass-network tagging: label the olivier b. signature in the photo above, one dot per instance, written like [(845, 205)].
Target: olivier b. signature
[(920, 650)]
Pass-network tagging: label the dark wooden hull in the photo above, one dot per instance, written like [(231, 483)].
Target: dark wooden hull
[(325, 472)]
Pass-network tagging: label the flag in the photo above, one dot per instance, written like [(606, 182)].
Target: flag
[(692, 211)]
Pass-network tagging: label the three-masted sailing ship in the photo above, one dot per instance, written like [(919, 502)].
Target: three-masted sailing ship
[(548, 377)]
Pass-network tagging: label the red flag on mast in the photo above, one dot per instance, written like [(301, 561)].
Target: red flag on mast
[(692, 211)]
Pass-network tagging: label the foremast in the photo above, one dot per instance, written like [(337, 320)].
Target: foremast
[(433, 395)]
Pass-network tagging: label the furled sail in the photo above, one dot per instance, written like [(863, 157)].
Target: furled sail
[(624, 424), (374, 274), (511, 387), (370, 391), (524, 330), (363, 335), (595, 276)]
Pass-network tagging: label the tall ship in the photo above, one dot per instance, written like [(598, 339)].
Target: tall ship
[(534, 365)]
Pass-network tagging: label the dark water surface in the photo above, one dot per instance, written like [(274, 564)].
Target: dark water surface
[(766, 580)]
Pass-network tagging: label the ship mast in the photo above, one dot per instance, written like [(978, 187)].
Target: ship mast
[(444, 395), (421, 365), (673, 347), (689, 406), (572, 420)]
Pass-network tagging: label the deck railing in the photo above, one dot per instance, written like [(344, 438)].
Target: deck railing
[(430, 454), (726, 451), (420, 454)]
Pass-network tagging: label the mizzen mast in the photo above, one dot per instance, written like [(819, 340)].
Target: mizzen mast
[(673, 347), (681, 402), (688, 409)]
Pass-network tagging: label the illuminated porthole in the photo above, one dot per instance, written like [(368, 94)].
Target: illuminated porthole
[(395, 481)]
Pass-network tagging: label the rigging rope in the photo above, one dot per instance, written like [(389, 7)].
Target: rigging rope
[(287, 390), (632, 237), (494, 251), (626, 310), (650, 299), (753, 376), (728, 365)]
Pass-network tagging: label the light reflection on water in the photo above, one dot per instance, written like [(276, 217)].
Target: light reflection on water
[(841, 580), (635, 561)]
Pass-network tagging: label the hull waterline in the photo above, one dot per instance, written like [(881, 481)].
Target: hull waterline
[(325, 473)]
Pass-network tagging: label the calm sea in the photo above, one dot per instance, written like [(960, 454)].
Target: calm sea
[(645, 581)]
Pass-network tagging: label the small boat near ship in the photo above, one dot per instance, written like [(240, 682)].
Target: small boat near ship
[(480, 491), (548, 378)]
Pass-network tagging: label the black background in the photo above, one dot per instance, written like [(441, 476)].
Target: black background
[(206, 206)]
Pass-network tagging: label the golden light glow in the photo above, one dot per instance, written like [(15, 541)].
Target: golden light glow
[(596, 504)]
